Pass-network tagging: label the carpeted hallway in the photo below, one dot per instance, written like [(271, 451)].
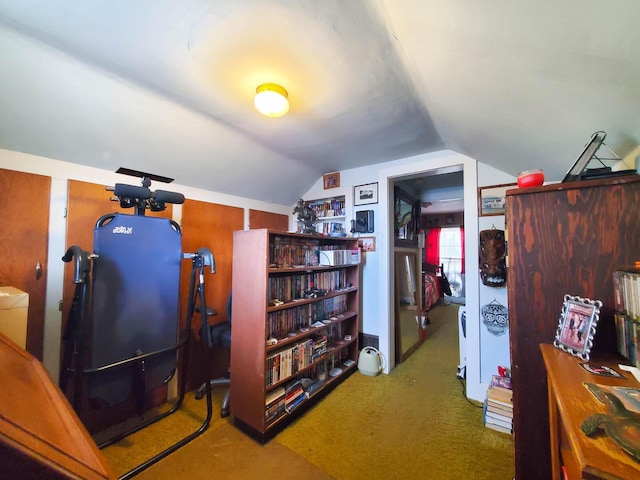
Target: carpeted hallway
[(412, 424)]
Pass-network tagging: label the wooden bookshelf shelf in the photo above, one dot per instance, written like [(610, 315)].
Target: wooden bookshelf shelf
[(288, 356)]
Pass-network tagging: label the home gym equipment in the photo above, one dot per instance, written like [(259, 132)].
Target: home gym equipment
[(220, 334), (123, 339)]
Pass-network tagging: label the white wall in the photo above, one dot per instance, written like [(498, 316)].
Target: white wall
[(61, 172), (494, 350)]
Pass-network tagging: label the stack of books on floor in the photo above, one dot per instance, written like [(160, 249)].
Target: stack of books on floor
[(498, 406)]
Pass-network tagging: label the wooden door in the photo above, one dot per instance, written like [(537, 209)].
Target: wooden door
[(208, 225), (24, 203), (272, 221)]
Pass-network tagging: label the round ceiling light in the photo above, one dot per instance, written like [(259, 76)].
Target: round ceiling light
[(271, 100)]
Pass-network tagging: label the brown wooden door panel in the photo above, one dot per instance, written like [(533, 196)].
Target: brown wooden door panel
[(272, 221), (208, 225), (24, 203)]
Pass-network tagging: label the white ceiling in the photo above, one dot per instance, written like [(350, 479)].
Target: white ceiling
[(166, 86)]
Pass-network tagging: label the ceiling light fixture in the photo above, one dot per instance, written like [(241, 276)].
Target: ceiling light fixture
[(271, 100)]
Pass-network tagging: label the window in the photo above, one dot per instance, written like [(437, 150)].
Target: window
[(451, 257)]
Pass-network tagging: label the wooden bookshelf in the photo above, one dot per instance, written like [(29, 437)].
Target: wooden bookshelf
[(270, 267)]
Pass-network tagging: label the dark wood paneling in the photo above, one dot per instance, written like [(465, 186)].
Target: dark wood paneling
[(272, 221), (563, 239), (24, 207), (208, 225)]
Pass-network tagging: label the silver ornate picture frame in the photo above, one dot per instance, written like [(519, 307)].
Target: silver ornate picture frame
[(577, 326)]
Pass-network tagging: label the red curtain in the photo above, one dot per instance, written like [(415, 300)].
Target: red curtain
[(462, 247), (432, 247)]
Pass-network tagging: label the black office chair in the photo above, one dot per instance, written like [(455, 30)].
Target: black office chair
[(220, 336)]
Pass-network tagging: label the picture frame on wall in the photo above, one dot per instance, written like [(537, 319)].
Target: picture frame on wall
[(492, 200), (368, 244), (577, 326), (331, 180), (365, 194)]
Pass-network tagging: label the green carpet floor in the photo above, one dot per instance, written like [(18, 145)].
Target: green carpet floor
[(412, 424)]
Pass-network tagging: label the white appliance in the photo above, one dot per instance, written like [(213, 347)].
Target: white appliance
[(462, 341)]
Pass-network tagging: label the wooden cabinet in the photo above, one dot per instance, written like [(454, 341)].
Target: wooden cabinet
[(563, 238), (295, 317), (570, 403)]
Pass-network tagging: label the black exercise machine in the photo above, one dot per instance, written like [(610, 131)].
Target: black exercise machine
[(122, 336)]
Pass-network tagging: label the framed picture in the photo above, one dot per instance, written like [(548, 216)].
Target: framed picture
[(331, 180), (368, 244), (577, 326), (365, 194), (492, 200)]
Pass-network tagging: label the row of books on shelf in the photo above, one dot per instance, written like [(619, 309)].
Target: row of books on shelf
[(628, 337), (294, 287), (328, 228), (287, 398), (626, 290), (339, 257), (286, 252), (328, 208), (290, 361), (498, 405), (284, 399), (282, 322)]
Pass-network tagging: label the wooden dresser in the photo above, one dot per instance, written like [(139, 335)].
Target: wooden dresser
[(41, 437), (570, 403)]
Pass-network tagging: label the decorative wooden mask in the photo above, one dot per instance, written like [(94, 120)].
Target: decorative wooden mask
[(493, 272)]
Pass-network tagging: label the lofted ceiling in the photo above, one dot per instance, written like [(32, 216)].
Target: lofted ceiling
[(166, 86)]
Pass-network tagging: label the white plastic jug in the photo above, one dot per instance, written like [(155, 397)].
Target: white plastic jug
[(370, 361)]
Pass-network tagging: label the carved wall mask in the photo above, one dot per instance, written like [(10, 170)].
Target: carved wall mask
[(493, 272)]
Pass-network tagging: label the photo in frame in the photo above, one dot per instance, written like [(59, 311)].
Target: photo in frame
[(368, 244), (577, 326), (365, 194), (492, 200), (331, 180)]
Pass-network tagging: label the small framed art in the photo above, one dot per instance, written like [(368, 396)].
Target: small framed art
[(331, 180), (492, 200), (365, 194), (577, 326), (368, 244)]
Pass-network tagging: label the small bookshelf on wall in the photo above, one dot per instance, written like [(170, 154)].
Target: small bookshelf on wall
[(626, 294), (295, 324), (331, 215)]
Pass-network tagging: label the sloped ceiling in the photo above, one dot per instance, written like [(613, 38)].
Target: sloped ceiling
[(166, 86)]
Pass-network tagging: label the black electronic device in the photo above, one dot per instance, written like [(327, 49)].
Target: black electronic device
[(364, 221), (580, 171)]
